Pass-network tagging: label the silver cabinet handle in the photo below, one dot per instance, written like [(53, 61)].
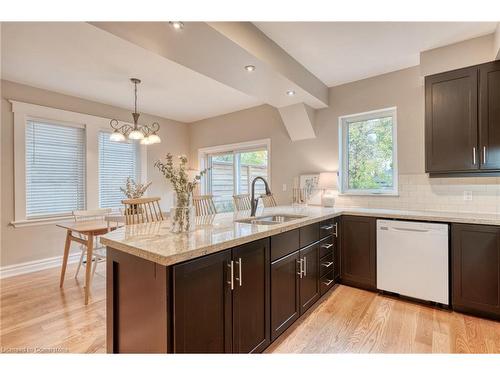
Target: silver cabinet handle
[(336, 234), (240, 275), (327, 264), (231, 268), (300, 268), (484, 154), (327, 227), (327, 245), (328, 283), (305, 266), (473, 155)]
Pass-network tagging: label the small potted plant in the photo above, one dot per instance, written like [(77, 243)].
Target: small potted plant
[(182, 214)]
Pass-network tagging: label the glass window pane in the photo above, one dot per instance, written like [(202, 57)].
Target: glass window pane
[(370, 154), (55, 169), (221, 184), (252, 164)]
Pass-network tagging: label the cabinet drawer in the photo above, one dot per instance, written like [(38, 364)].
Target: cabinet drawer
[(326, 228), (326, 246), (326, 282), (326, 264), (309, 234), (284, 243)]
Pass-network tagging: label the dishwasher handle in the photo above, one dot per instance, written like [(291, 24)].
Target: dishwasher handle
[(406, 229)]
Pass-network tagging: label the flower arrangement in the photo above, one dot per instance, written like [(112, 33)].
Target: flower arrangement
[(183, 186), (133, 190)]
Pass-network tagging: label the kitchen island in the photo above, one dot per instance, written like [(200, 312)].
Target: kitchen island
[(231, 286)]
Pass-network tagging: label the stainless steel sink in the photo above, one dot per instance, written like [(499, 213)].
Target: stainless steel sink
[(270, 220)]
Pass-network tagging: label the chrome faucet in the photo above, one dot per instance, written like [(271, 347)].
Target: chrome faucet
[(255, 201)]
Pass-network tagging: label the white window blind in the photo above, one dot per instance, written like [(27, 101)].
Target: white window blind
[(55, 169), (117, 161)]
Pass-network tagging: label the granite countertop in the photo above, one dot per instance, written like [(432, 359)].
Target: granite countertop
[(155, 242)]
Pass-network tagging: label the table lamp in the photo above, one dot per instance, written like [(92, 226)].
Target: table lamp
[(328, 183)]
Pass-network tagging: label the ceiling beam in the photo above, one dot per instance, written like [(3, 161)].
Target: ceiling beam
[(222, 51)]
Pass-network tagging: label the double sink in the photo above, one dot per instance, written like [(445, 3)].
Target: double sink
[(271, 219)]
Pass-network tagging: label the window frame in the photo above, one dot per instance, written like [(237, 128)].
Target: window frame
[(234, 148), (34, 218), (343, 123), (92, 124)]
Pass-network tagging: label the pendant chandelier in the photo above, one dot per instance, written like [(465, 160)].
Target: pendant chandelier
[(146, 134)]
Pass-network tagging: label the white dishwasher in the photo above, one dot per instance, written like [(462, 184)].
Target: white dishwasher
[(412, 259)]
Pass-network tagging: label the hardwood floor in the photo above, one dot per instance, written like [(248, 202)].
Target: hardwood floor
[(38, 316)]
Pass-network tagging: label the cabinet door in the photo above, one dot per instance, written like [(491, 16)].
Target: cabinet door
[(309, 281), (489, 115), (451, 121), (285, 304), (358, 251), (476, 268), (202, 305), (251, 297)]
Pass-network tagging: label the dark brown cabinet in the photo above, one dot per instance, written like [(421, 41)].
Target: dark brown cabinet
[(358, 251), (202, 305), (251, 297), (221, 302), (451, 121), (476, 269), (309, 277), (462, 128), (285, 293), (489, 115)]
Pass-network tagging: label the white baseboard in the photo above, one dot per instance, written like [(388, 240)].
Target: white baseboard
[(36, 265)]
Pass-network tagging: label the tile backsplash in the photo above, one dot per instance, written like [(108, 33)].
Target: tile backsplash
[(419, 192)]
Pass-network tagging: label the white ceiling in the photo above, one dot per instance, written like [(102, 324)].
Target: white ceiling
[(81, 60), (340, 52)]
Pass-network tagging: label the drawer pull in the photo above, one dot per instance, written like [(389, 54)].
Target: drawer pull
[(327, 264), (327, 227), (327, 245), (328, 283)]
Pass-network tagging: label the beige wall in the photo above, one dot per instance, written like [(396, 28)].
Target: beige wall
[(25, 244), (403, 89)]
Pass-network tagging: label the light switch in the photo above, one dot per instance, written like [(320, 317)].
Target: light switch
[(284, 187), (467, 195)]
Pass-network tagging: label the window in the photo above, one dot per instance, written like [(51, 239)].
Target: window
[(368, 153), (55, 169), (232, 170), (117, 161)]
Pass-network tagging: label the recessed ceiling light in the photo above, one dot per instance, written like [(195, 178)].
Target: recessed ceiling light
[(249, 68), (290, 92), (177, 25)]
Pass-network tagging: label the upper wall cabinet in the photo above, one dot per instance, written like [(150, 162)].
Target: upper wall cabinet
[(462, 120)]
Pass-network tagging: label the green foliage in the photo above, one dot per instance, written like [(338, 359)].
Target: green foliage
[(247, 158), (370, 154)]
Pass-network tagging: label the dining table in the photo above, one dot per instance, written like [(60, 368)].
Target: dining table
[(89, 229)]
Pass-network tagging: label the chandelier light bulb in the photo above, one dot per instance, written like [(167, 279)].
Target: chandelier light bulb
[(153, 139), (116, 136), (146, 140), (136, 134)]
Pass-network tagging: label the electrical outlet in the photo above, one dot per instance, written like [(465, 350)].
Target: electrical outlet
[(467, 195), (284, 187)]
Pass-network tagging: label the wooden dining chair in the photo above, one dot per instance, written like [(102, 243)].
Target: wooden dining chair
[(204, 205), (99, 251), (241, 202), (142, 210), (268, 200)]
